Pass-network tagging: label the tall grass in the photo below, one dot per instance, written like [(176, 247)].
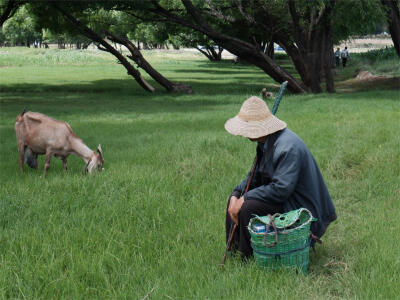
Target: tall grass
[(154, 220), (379, 62), (50, 57)]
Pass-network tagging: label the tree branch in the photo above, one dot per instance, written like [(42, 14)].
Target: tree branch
[(297, 32), (145, 19), (172, 17), (97, 38), (215, 12), (10, 9), (250, 20)]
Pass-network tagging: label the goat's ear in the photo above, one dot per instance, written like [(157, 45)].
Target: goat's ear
[(100, 151)]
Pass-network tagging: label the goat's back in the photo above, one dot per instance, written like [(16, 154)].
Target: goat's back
[(39, 132)]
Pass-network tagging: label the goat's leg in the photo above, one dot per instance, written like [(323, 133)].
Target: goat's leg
[(47, 162), (64, 159), (36, 160), (21, 161), (21, 150)]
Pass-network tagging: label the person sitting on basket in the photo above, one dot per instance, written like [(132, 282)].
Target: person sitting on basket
[(286, 176)]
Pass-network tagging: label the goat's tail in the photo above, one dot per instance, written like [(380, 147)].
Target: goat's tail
[(23, 111)]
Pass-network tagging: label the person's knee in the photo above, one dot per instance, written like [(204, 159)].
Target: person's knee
[(245, 211)]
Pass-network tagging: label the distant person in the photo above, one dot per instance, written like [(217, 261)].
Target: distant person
[(337, 57), (345, 56)]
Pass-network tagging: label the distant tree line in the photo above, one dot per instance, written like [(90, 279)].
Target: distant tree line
[(306, 30)]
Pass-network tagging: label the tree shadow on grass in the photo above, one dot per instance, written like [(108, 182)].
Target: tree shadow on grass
[(242, 66), (77, 100), (119, 87), (228, 71)]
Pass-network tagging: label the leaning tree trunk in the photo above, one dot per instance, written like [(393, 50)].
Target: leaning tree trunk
[(105, 47), (205, 53), (249, 52), (211, 54), (138, 58), (294, 53), (393, 15)]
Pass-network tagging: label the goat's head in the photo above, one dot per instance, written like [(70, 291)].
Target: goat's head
[(96, 162)]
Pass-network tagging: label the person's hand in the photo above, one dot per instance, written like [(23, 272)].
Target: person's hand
[(235, 205)]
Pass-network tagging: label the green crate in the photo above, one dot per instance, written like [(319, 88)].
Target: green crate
[(292, 248)]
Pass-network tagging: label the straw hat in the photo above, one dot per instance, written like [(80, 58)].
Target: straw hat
[(254, 120)]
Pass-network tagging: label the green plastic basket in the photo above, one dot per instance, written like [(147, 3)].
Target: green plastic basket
[(285, 246)]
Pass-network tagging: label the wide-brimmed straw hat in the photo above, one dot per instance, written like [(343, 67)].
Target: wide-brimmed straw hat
[(254, 120)]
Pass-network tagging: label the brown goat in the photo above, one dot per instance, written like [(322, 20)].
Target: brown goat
[(39, 134)]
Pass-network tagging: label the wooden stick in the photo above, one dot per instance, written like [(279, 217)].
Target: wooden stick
[(233, 230), (148, 294)]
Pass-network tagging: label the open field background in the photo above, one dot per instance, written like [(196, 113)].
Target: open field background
[(154, 220)]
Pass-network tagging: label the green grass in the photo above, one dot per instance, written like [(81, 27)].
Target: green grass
[(383, 61), (383, 64), (155, 217)]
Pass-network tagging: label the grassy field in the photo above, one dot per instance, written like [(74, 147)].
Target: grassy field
[(154, 220)]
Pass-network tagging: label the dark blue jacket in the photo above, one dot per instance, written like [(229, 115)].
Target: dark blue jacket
[(287, 174)]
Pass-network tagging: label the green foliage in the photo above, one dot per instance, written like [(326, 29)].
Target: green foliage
[(20, 29), (356, 17), (155, 217), (379, 62), (386, 53)]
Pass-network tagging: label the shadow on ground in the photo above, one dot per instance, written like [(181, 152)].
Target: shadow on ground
[(233, 85)]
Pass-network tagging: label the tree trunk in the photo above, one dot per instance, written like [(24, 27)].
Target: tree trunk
[(211, 54), (270, 49), (247, 51), (138, 58), (251, 53), (393, 15), (217, 54), (205, 53), (314, 44), (294, 53), (264, 62), (220, 50), (328, 55), (107, 47)]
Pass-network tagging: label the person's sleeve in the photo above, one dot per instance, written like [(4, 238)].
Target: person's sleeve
[(239, 189), (284, 179)]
